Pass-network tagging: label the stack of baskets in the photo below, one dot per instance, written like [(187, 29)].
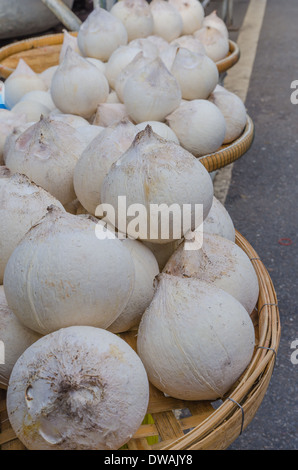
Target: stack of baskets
[(176, 424)]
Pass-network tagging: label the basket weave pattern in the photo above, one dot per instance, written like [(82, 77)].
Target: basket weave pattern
[(203, 427)]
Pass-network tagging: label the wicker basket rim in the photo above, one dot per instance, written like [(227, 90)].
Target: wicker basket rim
[(233, 151)]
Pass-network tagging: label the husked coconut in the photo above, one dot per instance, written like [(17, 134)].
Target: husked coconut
[(199, 125), (136, 17), (61, 274), (219, 262), (233, 110), (22, 205), (194, 339), (79, 388), (160, 177), (47, 153), (219, 221), (97, 159)]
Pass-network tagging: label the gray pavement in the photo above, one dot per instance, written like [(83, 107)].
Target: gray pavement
[(262, 200)]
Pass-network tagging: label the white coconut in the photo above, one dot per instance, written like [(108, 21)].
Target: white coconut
[(14, 337), (215, 42), (62, 274), (215, 21), (151, 93), (160, 177), (136, 17), (120, 58), (96, 160), (42, 97), (199, 125), (22, 80), (89, 132), (196, 74), (146, 269), (47, 75), (33, 110), (137, 63), (80, 388), (219, 221), (159, 128), (167, 20), (233, 110), (47, 153), (194, 339), (78, 86), (100, 34), (219, 262), (108, 114), (192, 14), (72, 119), (22, 205), (8, 121)]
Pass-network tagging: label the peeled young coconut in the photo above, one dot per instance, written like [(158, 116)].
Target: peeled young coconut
[(22, 205), (151, 93), (47, 75), (199, 127), (167, 20), (22, 80), (192, 14), (160, 180), (61, 274), (68, 41), (136, 17), (8, 121), (89, 132), (215, 42), (219, 262), (43, 97), (195, 340), (233, 110), (196, 74), (190, 43), (214, 21), (159, 128), (96, 160), (33, 110), (108, 114), (15, 337), (101, 34), (12, 137), (146, 268), (80, 388), (137, 63), (120, 58), (47, 153), (219, 221), (78, 86), (72, 119)]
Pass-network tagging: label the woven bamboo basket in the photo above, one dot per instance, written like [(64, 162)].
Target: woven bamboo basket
[(43, 52), (200, 425)]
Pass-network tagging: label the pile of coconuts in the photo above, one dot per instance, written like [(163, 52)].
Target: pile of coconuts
[(117, 118)]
